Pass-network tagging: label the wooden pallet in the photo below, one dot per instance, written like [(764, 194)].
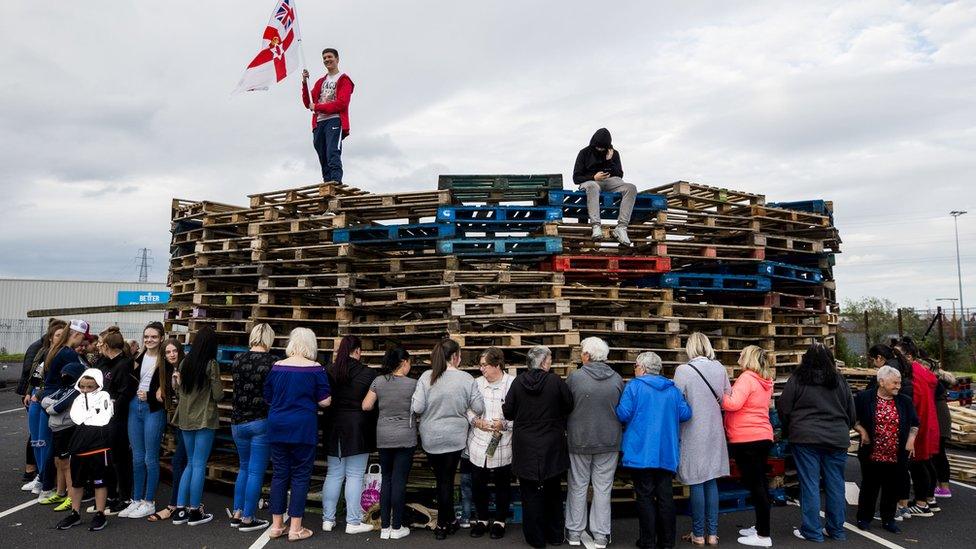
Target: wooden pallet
[(182, 209), (441, 294), (682, 252), (696, 197), (508, 308), (962, 467), (515, 339), (607, 266), (793, 245), (699, 313), (310, 198), (500, 188), (388, 206)]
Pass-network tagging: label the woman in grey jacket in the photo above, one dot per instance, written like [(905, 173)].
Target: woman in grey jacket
[(443, 396), (704, 455)]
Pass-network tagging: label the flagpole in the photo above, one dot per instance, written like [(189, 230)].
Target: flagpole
[(298, 27)]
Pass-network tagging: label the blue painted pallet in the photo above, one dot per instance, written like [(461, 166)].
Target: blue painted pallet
[(399, 235), (708, 282), (473, 247), (956, 395), (793, 273), (812, 206), (573, 204), (729, 501), (227, 353), (497, 218)]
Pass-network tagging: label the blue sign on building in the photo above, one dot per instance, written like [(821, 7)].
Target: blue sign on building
[(141, 297)]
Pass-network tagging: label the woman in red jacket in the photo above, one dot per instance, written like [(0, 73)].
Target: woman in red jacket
[(750, 436), (921, 467)]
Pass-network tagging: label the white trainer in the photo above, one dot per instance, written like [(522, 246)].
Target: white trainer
[(385, 533), (133, 505), (44, 494), (597, 233), (147, 508), (328, 525), (746, 532), (756, 540), (33, 486), (620, 233), (360, 528), (400, 533)]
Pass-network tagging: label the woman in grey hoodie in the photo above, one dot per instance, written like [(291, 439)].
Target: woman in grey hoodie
[(443, 396), (704, 455)]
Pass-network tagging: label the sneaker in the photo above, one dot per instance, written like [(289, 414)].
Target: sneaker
[(180, 516), (939, 492), (920, 510), (597, 233), (756, 540), (934, 505), (464, 523), (479, 529), (863, 524), (65, 505), (746, 532), (144, 510), (497, 530), (33, 486), (53, 499), (73, 519), (28, 477), (904, 513), (255, 524), (328, 525), (199, 516), (97, 523), (115, 506), (133, 505), (89, 495), (891, 527), (620, 233), (360, 528), (798, 534), (440, 533), (235, 522), (385, 533), (399, 533), (573, 538), (44, 494), (600, 542)]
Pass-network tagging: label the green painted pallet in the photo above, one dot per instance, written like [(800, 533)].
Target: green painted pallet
[(500, 188)]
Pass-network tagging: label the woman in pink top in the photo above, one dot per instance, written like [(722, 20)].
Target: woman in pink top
[(750, 436)]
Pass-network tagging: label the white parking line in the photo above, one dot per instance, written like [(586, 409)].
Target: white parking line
[(24, 505), (21, 409), (877, 539), (261, 541), (963, 484)]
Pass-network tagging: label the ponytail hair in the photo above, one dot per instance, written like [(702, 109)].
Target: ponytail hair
[(340, 364), (440, 357)]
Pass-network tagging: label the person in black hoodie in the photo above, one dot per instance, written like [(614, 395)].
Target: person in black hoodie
[(121, 386), (539, 403), (598, 169)]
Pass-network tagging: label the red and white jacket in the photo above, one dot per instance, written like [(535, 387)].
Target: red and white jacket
[(340, 105)]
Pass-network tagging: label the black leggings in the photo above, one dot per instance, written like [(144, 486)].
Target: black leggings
[(445, 469), (395, 463), (923, 479), (29, 457), (941, 463), (750, 457), (502, 479)]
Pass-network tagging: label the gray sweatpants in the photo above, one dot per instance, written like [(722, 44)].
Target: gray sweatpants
[(609, 185), (586, 469)]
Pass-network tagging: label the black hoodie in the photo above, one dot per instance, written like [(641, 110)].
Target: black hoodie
[(589, 161), (539, 403)]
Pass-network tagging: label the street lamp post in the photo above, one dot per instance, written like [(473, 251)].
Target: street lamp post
[(962, 308)]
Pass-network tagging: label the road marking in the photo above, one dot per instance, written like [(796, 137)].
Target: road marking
[(963, 484), (13, 510), (264, 539), (21, 409), (877, 539)]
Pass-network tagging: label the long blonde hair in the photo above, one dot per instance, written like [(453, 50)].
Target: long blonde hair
[(754, 358)]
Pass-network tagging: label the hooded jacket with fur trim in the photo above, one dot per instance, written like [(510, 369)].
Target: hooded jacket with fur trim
[(92, 413)]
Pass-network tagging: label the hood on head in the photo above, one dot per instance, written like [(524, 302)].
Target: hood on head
[(598, 370), (656, 382), (95, 374), (601, 138), (534, 380), (71, 372)]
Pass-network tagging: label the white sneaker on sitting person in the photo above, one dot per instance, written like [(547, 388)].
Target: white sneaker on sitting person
[(360, 528), (597, 233), (620, 233)]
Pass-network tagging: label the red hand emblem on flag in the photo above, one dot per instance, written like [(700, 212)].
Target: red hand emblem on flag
[(278, 55), (274, 52)]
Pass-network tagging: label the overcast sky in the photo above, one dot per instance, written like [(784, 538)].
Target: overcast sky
[(110, 109)]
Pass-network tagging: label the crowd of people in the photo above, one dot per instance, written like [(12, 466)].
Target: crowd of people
[(98, 411)]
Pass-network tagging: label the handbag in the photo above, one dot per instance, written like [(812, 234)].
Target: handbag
[(372, 481)]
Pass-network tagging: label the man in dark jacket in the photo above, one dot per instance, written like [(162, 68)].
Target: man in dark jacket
[(538, 404), (594, 442), (598, 169), (888, 425)]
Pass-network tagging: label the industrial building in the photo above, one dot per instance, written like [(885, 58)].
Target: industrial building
[(17, 296)]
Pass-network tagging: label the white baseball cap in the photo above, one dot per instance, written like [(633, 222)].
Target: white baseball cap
[(80, 326)]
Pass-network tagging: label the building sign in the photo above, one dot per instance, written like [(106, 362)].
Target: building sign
[(143, 297)]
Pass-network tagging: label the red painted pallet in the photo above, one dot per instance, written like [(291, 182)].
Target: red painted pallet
[(621, 266)]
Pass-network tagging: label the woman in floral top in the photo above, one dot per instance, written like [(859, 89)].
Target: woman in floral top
[(249, 426)]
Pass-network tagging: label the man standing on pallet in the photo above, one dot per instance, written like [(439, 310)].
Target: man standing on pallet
[(598, 169), (329, 103)]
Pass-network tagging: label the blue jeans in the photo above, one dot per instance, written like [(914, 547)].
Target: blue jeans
[(812, 465), (350, 469), (291, 470), (145, 437), (179, 465), (704, 508), (41, 440), (252, 449), (198, 445), (327, 140)]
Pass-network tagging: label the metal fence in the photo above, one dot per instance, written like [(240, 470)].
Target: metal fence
[(16, 334)]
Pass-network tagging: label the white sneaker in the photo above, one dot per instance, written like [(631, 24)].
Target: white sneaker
[(620, 233), (400, 532), (33, 486), (133, 505), (597, 233), (44, 494), (746, 532), (756, 540), (147, 508), (328, 525), (385, 533), (360, 528)]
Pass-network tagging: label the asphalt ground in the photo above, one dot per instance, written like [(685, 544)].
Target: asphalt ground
[(23, 523)]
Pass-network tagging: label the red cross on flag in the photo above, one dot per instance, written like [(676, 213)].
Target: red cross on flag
[(279, 53)]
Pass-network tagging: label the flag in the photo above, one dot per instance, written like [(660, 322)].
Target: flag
[(279, 52)]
